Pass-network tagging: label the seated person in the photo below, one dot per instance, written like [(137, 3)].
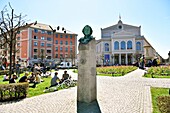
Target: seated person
[(65, 76), (54, 80), (31, 78), (24, 78), (6, 77), (37, 80), (13, 79)]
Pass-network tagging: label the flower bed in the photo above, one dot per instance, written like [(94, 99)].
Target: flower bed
[(158, 72), (115, 70)]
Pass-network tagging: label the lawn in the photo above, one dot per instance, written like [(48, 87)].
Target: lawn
[(160, 100), (158, 72), (33, 91)]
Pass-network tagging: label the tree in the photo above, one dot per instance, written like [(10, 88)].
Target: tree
[(10, 26)]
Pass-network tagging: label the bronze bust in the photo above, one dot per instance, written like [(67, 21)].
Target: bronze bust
[(87, 31)]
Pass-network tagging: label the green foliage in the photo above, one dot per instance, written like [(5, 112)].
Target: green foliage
[(164, 104), (158, 72), (158, 96), (115, 70), (13, 91)]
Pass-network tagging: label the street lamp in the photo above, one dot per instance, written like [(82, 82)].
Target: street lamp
[(169, 56), (112, 56), (102, 57)]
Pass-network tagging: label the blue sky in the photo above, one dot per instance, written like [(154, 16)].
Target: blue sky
[(152, 15)]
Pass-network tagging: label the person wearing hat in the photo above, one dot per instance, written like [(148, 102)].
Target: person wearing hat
[(24, 78)]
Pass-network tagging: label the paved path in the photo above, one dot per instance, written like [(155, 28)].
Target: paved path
[(126, 94)]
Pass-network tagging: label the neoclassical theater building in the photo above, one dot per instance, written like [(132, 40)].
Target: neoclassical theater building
[(123, 44)]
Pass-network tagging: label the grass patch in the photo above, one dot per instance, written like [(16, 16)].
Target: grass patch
[(158, 97), (33, 91)]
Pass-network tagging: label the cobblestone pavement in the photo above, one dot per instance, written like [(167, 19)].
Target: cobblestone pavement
[(126, 94)]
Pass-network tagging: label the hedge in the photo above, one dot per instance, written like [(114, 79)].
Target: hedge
[(3, 72), (13, 91)]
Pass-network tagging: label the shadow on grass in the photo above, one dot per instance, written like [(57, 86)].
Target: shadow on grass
[(92, 107), (10, 101)]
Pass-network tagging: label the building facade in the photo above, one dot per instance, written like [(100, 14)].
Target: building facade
[(123, 44), (40, 43)]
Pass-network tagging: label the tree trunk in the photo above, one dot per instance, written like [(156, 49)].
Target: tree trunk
[(10, 60)]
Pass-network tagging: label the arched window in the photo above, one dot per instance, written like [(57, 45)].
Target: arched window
[(106, 47), (123, 45), (116, 45), (129, 45), (138, 46)]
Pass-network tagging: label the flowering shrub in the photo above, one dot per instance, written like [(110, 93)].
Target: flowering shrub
[(163, 70), (122, 70)]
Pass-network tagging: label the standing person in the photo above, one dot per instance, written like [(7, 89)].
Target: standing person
[(54, 80), (143, 62), (17, 67)]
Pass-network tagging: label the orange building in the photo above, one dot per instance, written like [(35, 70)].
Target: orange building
[(39, 43)]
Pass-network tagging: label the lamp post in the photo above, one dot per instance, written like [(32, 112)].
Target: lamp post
[(112, 56), (169, 56)]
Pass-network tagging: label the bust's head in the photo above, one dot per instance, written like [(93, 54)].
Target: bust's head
[(87, 30)]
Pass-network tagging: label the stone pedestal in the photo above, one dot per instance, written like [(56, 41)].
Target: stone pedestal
[(86, 88)]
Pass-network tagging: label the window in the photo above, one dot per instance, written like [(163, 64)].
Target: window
[(49, 45), (35, 37), (56, 48), (56, 56), (129, 45), (18, 32), (35, 50), (66, 36), (66, 49), (71, 36), (116, 45), (66, 42), (71, 43), (48, 57), (138, 46), (61, 49), (49, 32), (36, 30), (35, 43), (42, 38), (106, 46), (35, 56), (18, 44), (123, 45), (56, 41), (71, 49), (48, 51), (56, 35), (18, 38), (61, 36), (42, 44), (42, 31), (61, 42), (49, 38)]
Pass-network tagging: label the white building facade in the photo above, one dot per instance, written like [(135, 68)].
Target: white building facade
[(122, 44)]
